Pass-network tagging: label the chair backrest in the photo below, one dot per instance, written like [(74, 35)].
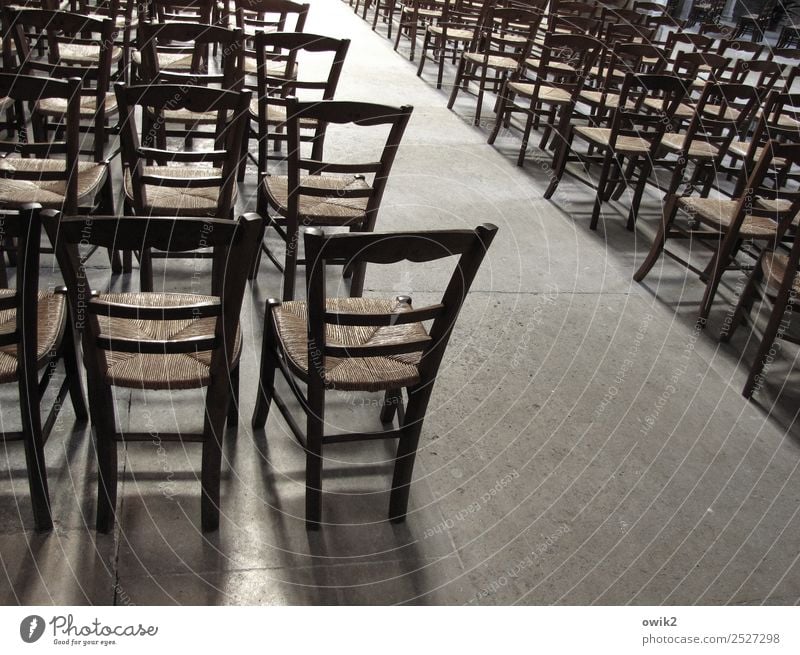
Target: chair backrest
[(559, 51), (231, 111), (358, 249), (28, 89), (354, 115), (255, 16), (631, 118), (573, 24), (738, 49), (62, 30), (570, 8), (161, 11), (234, 244), (509, 32), (682, 41), (691, 64), (629, 58), (761, 74), (197, 39)]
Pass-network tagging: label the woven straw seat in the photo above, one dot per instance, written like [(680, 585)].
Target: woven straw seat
[(335, 211), (549, 93), (697, 148), (170, 199), (176, 61), (610, 101), (600, 136), (52, 309), (534, 62), (58, 106), (355, 374), (83, 53), (428, 13), (49, 194), (276, 115), (719, 212), (454, 33), (493, 61), (150, 371)]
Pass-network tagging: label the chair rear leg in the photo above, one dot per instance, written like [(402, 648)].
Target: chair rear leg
[(314, 423), (266, 376), (217, 398), (233, 403), (73, 373), (102, 406), (743, 305), (34, 447), (660, 239)]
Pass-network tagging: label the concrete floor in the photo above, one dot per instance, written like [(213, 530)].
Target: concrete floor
[(583, 445)]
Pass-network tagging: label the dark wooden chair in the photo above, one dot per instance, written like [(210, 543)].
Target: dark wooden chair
[(755, 24), (763, 212), (320, 191), (364, 344), (159, 180), (35, 332), (328, 57), (705, 11), (159, 341), (502, 47), (634, 135), (416, 16)]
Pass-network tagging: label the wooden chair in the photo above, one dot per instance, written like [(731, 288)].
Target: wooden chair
[(755, 23), (634, 135), (416, 15), (159, 341), (776, 271), (163, 181), (35, 332), (762, 213), (364, 344), (289, 48), (319, 191), (789, 37), (458, 26), (504, 44), (550, 89), (64, 29), (705, 11)]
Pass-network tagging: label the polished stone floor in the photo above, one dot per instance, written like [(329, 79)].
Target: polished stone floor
[(584, 444)]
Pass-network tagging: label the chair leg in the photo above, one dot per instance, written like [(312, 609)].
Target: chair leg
[(146, 270), (104, 428), (73, 373), (217, 398), (233, 403), (729, 327), (266, 377), (601, 188), (638, 193), (290, 263), (391, 400), (660, 239), (34, 444), (523, 148), (315, 420), (559, 164), (457, 84)]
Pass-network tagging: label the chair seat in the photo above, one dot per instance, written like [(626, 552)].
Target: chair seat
[(52, 312), (153, 371), (188, 116), (493, 61), (57, 107), (697, 148), (549, 94), (321, 210), (453, 33), (609, 100), (176, 200), (535, 62), (49, 194), (719, 212), (601, 136), (276, 115), (352, 374), (274, 68), (6, 103), (426, 13), (85, 53), (774, 265)]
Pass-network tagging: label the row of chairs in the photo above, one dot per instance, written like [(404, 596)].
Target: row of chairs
[(644, 96)]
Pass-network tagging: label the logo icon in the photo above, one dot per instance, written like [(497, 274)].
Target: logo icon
[(31, 628)]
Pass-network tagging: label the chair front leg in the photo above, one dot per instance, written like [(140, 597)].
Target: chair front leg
[(660, 239), (217, 398), (266, 377), (315, 421)]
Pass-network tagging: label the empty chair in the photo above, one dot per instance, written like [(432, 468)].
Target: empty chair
[(159, 341), (364, 344), (322, 190), (35, 332)]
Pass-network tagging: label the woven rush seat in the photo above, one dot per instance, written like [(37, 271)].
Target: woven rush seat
[(535, 62), (5, 103), (454, 33), (719, 212), (58, 106), (610, 100), (774, 264), (741, 148), (352, 374), (276, 115), (49, 194), (183, 200), (697, 148), (176, 61), (85, 53), (428, 13), (154, 371), (601, 135), (51, 311), (550, 93), (493, 61), (335, 210)]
